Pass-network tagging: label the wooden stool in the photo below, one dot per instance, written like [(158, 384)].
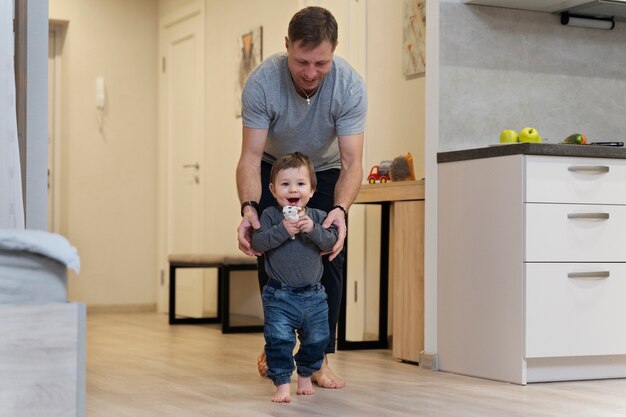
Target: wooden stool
[(224, 265)]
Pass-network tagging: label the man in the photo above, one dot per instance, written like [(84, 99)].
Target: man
[(311, 101)]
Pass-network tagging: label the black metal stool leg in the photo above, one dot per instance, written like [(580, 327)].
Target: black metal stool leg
[(226, 326), (172, 298)]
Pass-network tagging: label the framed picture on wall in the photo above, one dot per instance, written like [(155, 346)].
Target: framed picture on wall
[(414, 36), (250, 52)]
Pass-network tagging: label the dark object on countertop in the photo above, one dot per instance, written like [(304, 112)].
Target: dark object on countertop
[(402, 168), (607, 143), (576, 138)]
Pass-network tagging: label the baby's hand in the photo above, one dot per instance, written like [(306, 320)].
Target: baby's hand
[(305, 224), (292, 227)]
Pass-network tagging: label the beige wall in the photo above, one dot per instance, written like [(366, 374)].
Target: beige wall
[(395, 123), (396, 105), (109, 194), (226, 22)]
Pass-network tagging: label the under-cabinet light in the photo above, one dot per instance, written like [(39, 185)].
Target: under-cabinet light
[(606, 23)]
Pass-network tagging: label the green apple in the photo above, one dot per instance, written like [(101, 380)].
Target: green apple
[(508, 136), (529, 134)]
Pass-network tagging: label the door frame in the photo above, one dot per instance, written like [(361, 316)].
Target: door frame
[(195, 8), (55, 165)]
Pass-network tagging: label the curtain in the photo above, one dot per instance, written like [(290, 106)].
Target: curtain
[(11, 205)]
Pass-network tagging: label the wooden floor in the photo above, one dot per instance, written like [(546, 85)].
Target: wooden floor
[(138, 365)]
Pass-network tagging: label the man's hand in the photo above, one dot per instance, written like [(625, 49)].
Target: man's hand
[(249, 185), (249, 223), (338, 218)]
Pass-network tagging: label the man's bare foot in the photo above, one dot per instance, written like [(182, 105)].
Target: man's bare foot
[(261, 364), (282, 394), (326, 378), (305, 386)]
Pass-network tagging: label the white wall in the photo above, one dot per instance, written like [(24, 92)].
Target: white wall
[(431, 147)]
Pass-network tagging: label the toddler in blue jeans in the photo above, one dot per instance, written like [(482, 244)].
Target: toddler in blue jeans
[(294, 300)]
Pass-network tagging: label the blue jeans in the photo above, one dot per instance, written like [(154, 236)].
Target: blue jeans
[(289, 310)]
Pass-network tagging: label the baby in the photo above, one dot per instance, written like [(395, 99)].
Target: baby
[(294, 300)]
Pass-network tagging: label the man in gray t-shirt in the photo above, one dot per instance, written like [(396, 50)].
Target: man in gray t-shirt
[(337, 108), (310, 101)]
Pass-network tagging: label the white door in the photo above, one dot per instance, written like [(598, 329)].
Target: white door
[(181, 151)]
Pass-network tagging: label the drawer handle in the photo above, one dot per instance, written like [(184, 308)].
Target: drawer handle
[(595, 216), (594, 274), (589, 169)]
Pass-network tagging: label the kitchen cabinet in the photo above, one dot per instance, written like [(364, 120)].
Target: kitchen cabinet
[(531, 266), (612, 8), (549, 6)]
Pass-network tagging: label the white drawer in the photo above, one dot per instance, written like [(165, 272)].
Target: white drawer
[(575, 315), (575, 233), (557, 179)]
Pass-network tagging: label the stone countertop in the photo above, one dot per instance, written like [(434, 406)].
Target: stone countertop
[(588, 151)]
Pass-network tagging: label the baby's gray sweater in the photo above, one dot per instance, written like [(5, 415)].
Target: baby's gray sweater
[(294, 262)]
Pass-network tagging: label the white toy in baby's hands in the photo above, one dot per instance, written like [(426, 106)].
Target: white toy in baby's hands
[(291, 212)]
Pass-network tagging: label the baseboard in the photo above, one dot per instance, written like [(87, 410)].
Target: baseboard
[(122, 308), (428, 360)]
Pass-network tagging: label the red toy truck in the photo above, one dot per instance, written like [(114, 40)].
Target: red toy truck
[(380, 173)]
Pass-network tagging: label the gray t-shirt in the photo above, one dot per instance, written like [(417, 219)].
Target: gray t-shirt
[(294, 262), (270, 101)]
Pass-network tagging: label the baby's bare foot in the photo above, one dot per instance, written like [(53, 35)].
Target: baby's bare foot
[(305, 386), (282, 394)]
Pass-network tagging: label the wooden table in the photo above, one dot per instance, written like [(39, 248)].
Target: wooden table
[(402, 267)]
